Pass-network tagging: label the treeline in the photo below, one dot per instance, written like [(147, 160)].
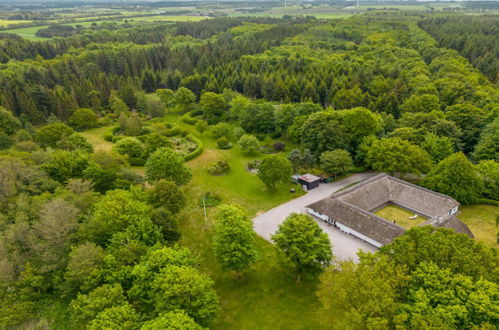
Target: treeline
[(37, 89), (474, 37)]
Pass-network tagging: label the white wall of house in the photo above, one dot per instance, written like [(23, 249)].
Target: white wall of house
[(345, 228), (358, 235), (454, 210), (318, 215)]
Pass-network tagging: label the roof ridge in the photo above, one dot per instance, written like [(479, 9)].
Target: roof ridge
[(420, 188), (358, 185)]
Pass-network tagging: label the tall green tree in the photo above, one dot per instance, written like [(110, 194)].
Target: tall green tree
[(305, 246), (234, 239), (337, 162), (273, 170), (457, 177), (394, 155), (165, 163)]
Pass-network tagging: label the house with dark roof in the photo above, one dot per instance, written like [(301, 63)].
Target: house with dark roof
[(352, 210)]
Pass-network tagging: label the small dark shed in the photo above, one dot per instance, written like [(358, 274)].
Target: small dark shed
[(310, 181)]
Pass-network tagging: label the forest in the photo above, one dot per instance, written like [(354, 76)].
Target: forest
[(132, 159)]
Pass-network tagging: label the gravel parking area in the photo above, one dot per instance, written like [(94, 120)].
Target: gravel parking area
[(344, 246)]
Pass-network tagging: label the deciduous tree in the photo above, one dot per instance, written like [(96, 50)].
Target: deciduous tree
[(304, 245), (273, 170)]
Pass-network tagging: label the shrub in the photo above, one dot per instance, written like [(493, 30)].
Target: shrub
[(249, 143), (201, 126), (279, 146), (108, 137), (129, 146), (137, 161), (219, 168), (172, 132), (253, 165), (222, 130), (223, 143), (210, 200)]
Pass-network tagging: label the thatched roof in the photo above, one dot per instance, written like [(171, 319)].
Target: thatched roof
[(353, 207), (361, 221)]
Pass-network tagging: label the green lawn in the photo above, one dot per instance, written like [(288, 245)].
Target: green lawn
[(266, 297), (481, 219), (96, 137), (400, 215)]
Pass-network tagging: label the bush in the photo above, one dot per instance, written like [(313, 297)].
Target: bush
[(219, 168), (210, 200), (117, 138), (172, 132), (129, 146), (249, 143), (253, 165), (108, 137), (222, 130), (137, 161), (279, 146), (223, 143), (276, 134)]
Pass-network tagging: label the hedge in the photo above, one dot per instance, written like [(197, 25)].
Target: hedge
[(487, 201), (187, 117), (172, 132), (197, 151)]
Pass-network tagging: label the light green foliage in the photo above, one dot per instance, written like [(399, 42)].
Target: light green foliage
[(258, 117), (184, 287), (168, 195), (305, 246), (446, 249), (184, 98), (129, 146), (273, 170), (165, 163), (234, 239), (249, 143), (222, 130), (86, 306), (440, 299), (121, 211), (489, 170), (157, 258), (177, 320), (154, 141), (49, 135), (213, 106), (130, 125), (421, 103), (8, 123), (75, 142), (455, 176), (120, 317), (238, 105), (83, 118), (337, 162), (363, 296), (201, 126), (63, 165), (394, 155), (167, 96), (438, 147), (328, 130)]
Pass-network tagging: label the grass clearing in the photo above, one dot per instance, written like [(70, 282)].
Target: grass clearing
[(96, 137), (266, 296), (481, 219), (7, 22), (400, 215)]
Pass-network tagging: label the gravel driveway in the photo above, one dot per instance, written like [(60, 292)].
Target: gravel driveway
[(344, 246)]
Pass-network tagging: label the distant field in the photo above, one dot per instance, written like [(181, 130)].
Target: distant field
[(30, 32), (7, 22), (400, 216), (167, 18)]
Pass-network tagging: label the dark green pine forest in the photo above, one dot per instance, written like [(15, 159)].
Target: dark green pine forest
[(114, 140)]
